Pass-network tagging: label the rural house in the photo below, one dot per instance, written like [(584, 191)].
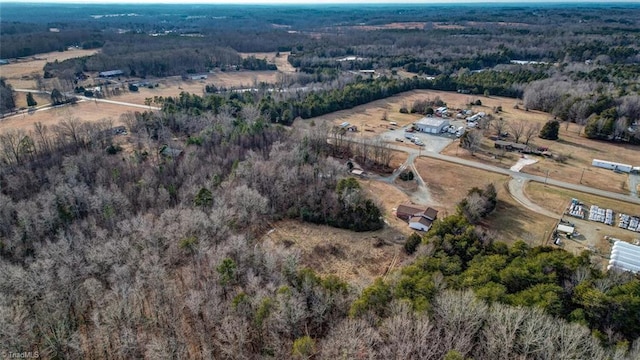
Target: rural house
[(418, 218)]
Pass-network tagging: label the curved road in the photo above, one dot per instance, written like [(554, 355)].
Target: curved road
[(516, 185), (516, 189), (518, 175)]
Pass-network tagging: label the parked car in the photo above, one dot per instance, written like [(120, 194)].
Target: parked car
[(399, 140)]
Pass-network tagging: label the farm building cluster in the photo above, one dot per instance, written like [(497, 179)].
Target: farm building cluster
[(629, 222), (348, 127), (523, 148), (601, 215), (576, 209), (606, 216)]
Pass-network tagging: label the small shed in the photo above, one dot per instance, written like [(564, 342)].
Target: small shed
[(566, 229)]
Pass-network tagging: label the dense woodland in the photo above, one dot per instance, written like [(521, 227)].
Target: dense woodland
[(120, 254), (151, 245)]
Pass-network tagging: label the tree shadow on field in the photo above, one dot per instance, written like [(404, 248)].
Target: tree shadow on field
[(509, 221), (578, 145)]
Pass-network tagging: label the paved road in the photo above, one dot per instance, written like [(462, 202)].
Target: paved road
[(516, 189), (518, 175), (80, 99), (119, 103)]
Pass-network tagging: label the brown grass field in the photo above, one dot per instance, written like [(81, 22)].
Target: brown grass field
[(449, 184), (392, 26), (173, 86), (368, 117), (21, 99), (281, 61), (354, 257), (15, 71), (85, 111)]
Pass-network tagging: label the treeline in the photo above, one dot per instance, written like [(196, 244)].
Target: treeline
[(308, 104), (143, 55), (603, 116), (457, 255), (88, 233), (7, 97), (21, 43)]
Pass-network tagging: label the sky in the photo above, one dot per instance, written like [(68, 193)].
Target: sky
[(309, 2)]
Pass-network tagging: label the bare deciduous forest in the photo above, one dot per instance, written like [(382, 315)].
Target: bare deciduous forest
[(152, 247)]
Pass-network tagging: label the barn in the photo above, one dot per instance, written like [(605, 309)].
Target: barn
[(431, 125)]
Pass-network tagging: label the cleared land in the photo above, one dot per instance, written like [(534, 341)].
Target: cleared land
[(393, 26), (578, 150), (355, 257), (20, 72), (173, 86), (389, 197), (21, 99), (281, 61), (449, 184), (368, 117), (87, 111), (592, 234)]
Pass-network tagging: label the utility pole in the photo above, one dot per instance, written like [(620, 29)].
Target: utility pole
[(583, 169), (546, 177)]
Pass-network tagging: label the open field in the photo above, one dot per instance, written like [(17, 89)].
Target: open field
[(393, 26), (354, 257), (388, 197), (368, 117), (281, 61), (449, 184), (579, 150), (86, 111), (16, 70), (173, 86), (21, 99)]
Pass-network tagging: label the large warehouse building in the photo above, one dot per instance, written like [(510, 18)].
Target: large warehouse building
[(431, 125), (625, 256)]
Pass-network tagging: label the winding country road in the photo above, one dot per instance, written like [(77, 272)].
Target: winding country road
[(516, 184), (80, 99)]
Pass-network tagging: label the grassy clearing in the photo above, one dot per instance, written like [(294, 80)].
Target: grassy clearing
[(35, 64), (510, 221), (85, 111), (557, 199), (354, 257)]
